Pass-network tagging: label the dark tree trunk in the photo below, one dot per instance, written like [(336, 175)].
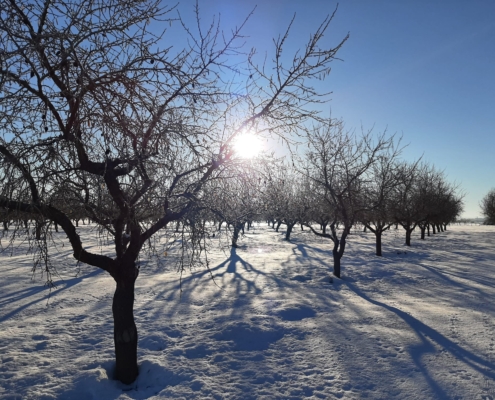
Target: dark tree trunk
[(302, 227), (56, 227), (336, 265), (378, 234), (338, 248), (77, 222), (237, 228), (38, 228), (434, 229), (423, 230), (408, 236), (125, 331), (5, 225), (364, 229), (428, 229), (288, 231), (278, 225)]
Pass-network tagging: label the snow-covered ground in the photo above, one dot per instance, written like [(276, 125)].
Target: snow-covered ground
[(418, 323)]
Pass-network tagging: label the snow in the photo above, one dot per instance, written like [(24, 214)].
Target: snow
[(418, 323)]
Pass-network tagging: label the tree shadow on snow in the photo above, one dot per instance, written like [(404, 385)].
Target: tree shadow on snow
[(23, 294), (234, 272), (427, 335)]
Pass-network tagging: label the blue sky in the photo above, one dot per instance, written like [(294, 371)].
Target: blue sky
[(423, 69)]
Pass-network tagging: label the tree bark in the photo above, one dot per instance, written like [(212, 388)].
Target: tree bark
[(288, 231), (378, 235), (237, 228), (408, 237), (38, 229), (125, 331)]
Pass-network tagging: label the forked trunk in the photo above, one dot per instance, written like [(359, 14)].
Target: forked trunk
[(338, 252), (125, 331)]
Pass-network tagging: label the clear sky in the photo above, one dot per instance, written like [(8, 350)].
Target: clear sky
[(421, 68)]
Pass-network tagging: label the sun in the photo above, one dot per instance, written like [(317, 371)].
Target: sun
[(247, 145)]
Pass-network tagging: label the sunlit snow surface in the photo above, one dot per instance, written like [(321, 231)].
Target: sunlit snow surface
[(418, 323)]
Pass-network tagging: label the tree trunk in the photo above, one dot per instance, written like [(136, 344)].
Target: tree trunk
[(288, 231), (237, 228), (408, 237), (5, 225), (336, 265), (378, 234), (428, 227), (434, 229), (423, 230), (38, 228), (125, 331), (278, 226)]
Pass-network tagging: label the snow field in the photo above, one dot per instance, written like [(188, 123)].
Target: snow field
[(418, 323)]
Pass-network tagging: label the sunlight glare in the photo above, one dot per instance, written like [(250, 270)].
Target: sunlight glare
[(247, 145)]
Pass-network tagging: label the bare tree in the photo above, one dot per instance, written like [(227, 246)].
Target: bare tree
[(487, 206), (234, 198), (407, 208), (95, 98), (284, 197), (378, 194), (341, 162)]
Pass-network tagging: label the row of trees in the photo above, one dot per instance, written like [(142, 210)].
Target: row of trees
[(343, 179)]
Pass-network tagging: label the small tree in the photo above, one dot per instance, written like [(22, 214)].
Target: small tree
[(93, 97), (487, 206), (378, 193), (340, 162)]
